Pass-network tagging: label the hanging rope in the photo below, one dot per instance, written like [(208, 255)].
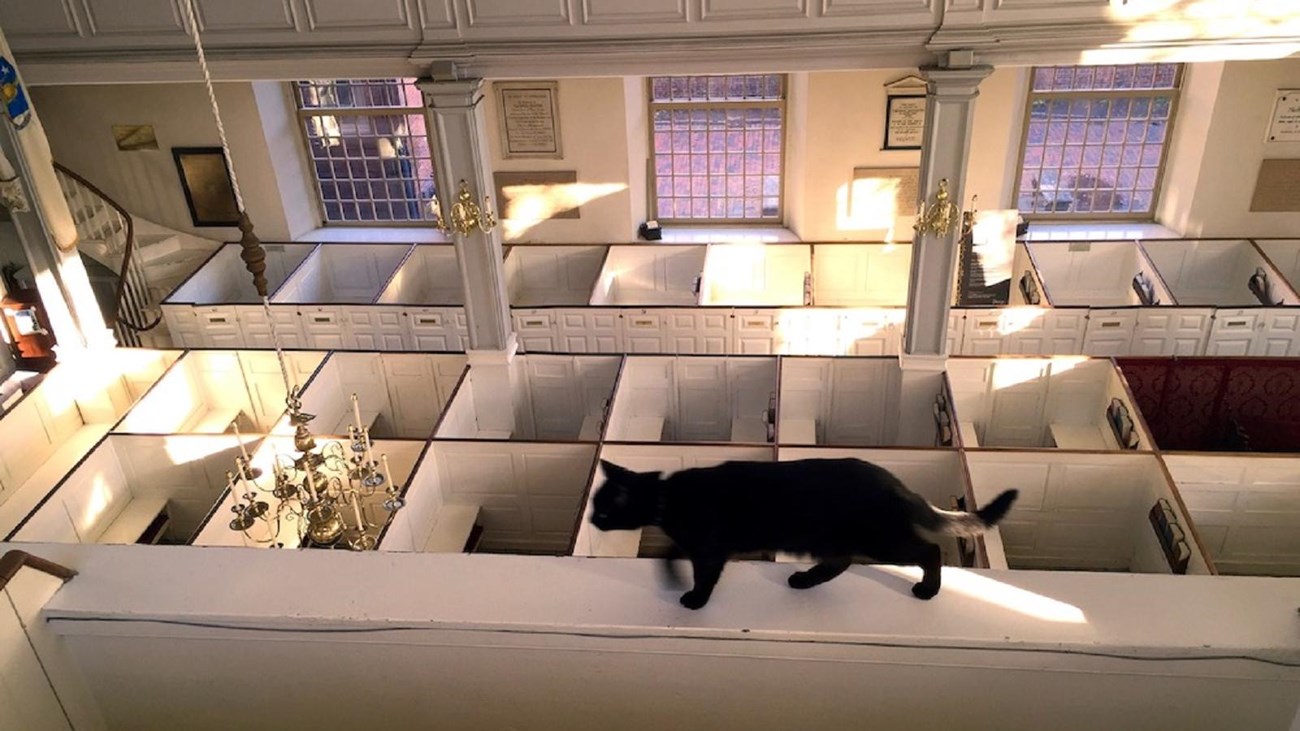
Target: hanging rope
[(212, 99), (253, 254)]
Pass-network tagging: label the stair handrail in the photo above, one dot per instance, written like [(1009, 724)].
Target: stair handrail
[(16, 560), (120, 295)]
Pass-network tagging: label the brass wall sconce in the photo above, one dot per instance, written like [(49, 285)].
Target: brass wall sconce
[(466, 214), (938, 217)]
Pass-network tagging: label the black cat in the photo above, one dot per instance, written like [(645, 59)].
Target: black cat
[(831, 509)]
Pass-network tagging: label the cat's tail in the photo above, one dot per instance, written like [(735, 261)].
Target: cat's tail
[(959, 523)]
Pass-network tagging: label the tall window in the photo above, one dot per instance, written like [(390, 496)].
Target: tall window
[(718, 147), (369, 145), (1095, 139)]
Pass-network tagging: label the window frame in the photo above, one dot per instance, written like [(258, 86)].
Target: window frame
[(303, 114), (1176, 92), (652, 191)]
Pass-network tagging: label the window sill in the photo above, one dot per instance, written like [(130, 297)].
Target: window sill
[(375, 235), (1100, 231), (727, 234)]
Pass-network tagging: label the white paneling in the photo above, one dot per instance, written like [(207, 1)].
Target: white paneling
[(861, 275), (603, 12), (183, 326), (376, 328), (536, 331), (323, 327), (219, 325), (1232, 332), (1042, 331), (643, 331), (510, 13), (529, 495), (1081, 512), (1246, 509), (874, 8), (132, 17), (555, 392), (1170, 331), (1278, 334), (589, 330), (415, 394), (753, 9), (756, 332), (350, 15), (1111, 332), (867, 332), (697, 330), (435, 328), (49, 19), (224, 15), (436, 14), (704, 401), (256, 326)]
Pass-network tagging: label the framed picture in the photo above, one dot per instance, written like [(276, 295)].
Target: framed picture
[(904, 121), (206, 182), (528, 113)]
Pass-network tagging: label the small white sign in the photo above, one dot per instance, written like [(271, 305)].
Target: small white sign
[(1285, 123)]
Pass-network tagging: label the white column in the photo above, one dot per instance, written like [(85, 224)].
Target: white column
[(462, 154), (951, 96), (49, 236)]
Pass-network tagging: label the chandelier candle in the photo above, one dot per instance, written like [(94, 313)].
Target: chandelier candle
[(356, 411)]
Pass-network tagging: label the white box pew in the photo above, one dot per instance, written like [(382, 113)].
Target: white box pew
[(1253, 304), (552, 276), (1022, 330), (650, 275), (935, 475), (537, 397), (590, 541), (218, 307), (1085, 512), (214, 529), (845, 402), (1284, 255), (329, 285), (757, 275), (525, 496), (1246, 510), (860, 275), (400, 395), (423, 306), (58, 422), (212, 391), (1063, 402), (694, 399), (137, 488)]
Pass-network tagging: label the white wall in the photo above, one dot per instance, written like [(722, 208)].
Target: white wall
[(1230, 149), (841, 125), (647, 662), (78, 121), (595, 132)]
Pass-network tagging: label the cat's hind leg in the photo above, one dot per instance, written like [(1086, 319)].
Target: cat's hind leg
[(930, 559), (825, 570), (669, 572), (708, 568)]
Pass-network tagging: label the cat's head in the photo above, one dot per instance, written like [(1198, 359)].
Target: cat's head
[(626, 500)]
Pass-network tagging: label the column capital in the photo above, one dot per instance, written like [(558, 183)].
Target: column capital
[(954, 81), (458, 94)]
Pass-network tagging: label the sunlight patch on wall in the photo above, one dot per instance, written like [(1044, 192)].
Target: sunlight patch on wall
[(525, 206)]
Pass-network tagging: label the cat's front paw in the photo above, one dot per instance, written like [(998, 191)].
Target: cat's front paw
[(694, 599), (801, 580), (921, 591)]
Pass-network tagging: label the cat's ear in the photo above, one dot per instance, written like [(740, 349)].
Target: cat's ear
[(613, 471)]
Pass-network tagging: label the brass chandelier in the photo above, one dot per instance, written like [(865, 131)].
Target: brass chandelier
[(319, 490)]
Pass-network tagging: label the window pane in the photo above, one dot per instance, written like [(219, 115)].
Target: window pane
[(1093, 153), (725, 148), (378, 150)]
